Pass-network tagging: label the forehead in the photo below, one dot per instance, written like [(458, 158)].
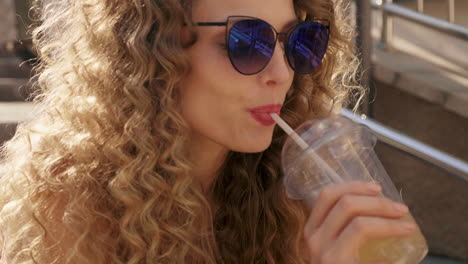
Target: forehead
[(276, 12)]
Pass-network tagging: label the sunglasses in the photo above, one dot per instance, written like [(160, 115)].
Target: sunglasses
[(251, 42)]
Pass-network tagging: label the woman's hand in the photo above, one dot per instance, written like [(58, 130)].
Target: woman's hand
[(345, 216)]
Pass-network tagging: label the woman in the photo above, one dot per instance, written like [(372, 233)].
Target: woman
[(153, 143)]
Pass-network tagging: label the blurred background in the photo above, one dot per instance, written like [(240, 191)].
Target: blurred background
[(415, 61)]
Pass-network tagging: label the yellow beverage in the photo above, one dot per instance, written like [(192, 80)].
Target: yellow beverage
[(404, 250)]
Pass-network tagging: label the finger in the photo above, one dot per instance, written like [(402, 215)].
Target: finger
[(350, 206), (364, 228), (330, 195)]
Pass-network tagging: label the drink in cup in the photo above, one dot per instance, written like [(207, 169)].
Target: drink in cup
[(335, 149)]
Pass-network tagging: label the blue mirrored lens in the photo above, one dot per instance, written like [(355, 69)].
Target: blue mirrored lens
[(250, 43), (306, 46)]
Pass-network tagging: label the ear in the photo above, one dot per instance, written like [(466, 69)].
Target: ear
[(184, 34), (187, 36)]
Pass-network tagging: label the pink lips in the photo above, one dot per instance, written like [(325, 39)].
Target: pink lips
[(262, 113)]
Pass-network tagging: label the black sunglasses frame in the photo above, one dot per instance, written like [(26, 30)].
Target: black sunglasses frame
[(285, 36)]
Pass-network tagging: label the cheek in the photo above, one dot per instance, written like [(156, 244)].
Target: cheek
[(215, 99), (211, 84), (209, 102), (209, 61)]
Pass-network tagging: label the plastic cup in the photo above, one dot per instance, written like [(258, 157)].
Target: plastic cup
[(340, 150)]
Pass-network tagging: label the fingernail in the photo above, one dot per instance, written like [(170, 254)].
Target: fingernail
[(400, 207), (374, 187)]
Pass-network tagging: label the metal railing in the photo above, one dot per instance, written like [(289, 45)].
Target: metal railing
[(452, 165), (390, 10), (435, 157), (450, 9)]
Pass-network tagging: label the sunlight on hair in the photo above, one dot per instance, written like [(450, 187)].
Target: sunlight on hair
[(109, 152)]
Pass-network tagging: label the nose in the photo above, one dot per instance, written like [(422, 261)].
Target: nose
[(278, 71)]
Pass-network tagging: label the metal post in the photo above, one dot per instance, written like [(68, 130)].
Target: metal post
[(364, 46), (421, 6), (440, 25), (23, 20), (453, 165), (7, 21), (451, 11), (387, 28)]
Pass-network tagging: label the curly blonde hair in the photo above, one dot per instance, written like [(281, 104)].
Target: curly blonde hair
[(101, 174)]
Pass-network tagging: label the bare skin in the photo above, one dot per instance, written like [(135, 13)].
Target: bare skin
[(347, 215), (215, 97), (214, 101)]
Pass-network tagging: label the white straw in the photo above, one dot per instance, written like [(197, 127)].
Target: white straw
[(289, 131), (304, 146)]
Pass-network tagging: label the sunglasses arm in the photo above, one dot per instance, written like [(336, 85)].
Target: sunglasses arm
[(207, 24)]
